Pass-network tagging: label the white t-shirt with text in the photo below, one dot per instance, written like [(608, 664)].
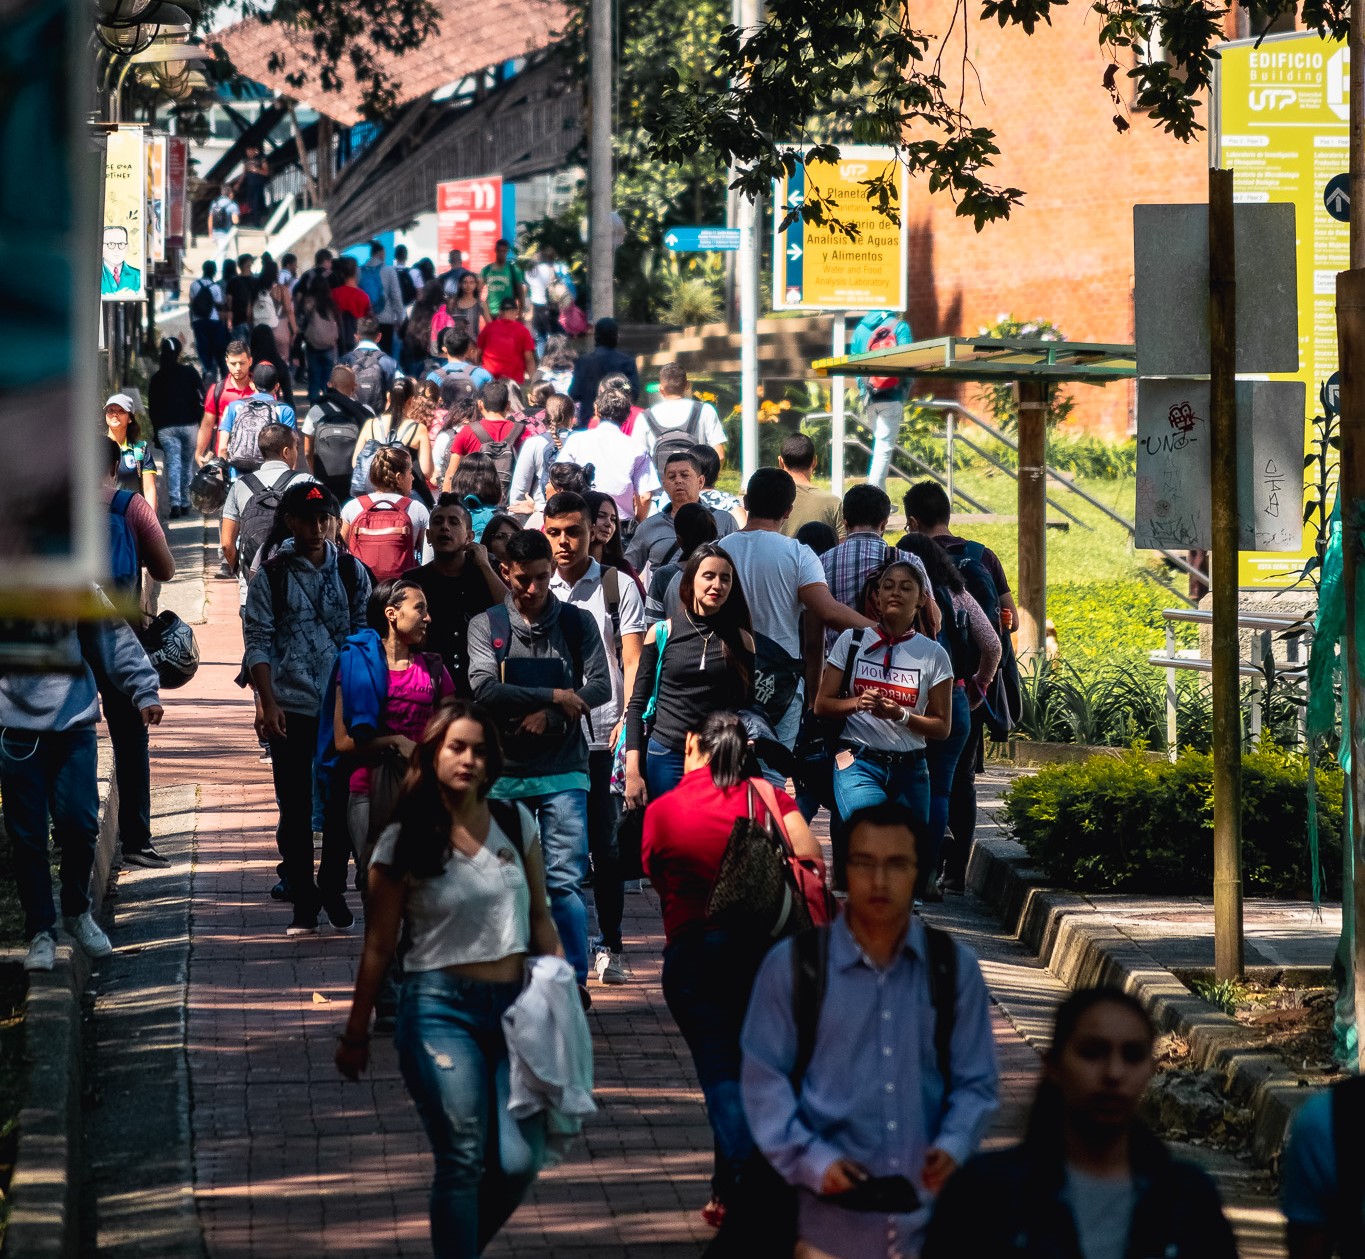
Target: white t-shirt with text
[(917, 666)]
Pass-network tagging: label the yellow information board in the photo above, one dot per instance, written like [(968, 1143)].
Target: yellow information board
[(818, 268), (1280, 120)]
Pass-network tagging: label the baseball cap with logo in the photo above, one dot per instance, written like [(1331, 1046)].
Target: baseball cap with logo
[(309, 498)]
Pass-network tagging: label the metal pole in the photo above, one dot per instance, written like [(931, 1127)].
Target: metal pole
[(948, 448), (601, 256), (1227, 713), (747, 264), (838, 431), (1172, 699), (1031, 488)]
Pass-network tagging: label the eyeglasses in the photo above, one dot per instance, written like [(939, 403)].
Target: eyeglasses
[(116, 244)]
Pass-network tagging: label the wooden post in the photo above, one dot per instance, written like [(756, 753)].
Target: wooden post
[(310, 183), (1032, 490), (1227, 707)]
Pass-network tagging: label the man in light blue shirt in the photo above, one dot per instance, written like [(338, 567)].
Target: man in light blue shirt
[(456, 344), (873, 1101), (883, 408)]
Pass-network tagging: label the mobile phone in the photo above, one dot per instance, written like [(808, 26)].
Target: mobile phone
[(887, 1195)]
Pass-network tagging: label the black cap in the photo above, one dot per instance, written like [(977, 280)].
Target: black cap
[(309, 498)]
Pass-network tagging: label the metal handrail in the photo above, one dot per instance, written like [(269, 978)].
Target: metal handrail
[(1256, 620)]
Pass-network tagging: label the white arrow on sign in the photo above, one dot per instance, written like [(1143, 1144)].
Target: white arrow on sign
[(1339, 200), (797, 198), (670, 240), (794, 252)]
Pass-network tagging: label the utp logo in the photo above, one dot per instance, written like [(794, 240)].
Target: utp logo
[(1272, 98), (851, 171)]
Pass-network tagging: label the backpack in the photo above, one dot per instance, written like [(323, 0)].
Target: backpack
[(672, 441), (955, 637), (201, 300), (383, 537), (258, 515), (319, 332), (503, 452), (220, 217), (125, 566), (263, 310), (572, 321), (406, 288), (883, 339), (244, 442), (360, 474), (372, 285), (1004, 702), (334, 438), (463, 392), (369, 378), (346, 325)]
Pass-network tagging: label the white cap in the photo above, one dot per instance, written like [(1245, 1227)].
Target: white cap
[(120, 400)]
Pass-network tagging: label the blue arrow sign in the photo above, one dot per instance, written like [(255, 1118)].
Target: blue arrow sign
[(1337, 198), (702, 239)]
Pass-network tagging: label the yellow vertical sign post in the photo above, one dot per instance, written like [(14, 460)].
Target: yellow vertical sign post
[(1281, 111)]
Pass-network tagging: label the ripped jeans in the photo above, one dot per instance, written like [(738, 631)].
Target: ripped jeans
[(454, 1061)]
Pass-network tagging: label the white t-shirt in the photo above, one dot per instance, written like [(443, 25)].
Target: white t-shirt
[(671, 413), (772, 568), (622, 467), (917, 666), (538, 280), (587, 593)]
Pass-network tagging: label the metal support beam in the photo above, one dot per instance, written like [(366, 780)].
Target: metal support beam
[(601, 254), (1032, 593)]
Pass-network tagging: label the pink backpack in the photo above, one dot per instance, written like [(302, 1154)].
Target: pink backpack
[(383, 537)]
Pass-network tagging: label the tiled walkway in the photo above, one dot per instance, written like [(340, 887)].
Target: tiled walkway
[(291, 1160)]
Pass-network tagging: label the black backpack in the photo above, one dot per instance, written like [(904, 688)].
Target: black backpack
[(220, 218), (1348, 1113), (1004, 699), (202, 304), (334, 439), (406, 288), (672, 441), (955, 636), (502, 452), (253, 527), (369, 378)]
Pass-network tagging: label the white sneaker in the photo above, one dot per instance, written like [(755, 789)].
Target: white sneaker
[(612, 968), (90, 936), (42, 952)]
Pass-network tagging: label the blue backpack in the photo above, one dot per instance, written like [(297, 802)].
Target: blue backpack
[(372, 282), (125, 568)]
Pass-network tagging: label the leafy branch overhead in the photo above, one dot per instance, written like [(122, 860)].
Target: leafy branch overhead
[(862, 70)]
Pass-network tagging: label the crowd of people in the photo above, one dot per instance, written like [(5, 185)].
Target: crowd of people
[(507, 641)]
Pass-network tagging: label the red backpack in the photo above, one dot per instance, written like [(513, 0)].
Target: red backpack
[(883, 339), (383, 537)]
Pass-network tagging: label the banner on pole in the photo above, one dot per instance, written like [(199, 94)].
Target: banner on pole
[(156, 198), (469, 218), (177, 171), (122, 247)]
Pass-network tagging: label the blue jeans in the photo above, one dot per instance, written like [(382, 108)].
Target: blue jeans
[(943, 755), (563, 820), (868, 782), (707, 978), (210, 340), (453, 1057), (663, 769), (45, 774), (320, 364), (177, 443)]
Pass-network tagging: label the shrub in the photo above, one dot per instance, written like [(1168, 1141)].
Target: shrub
[(1133, 824), (691, 300)]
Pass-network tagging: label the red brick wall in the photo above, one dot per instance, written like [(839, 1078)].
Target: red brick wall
[(1066, 254)]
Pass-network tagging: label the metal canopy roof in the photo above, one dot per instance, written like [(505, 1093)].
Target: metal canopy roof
[(990, 358)]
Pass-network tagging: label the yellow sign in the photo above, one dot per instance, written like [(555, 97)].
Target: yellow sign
[(1281, 125), (818, 268)]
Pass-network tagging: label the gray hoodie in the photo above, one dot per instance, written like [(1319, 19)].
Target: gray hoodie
[(300, 641), (57, 702), (543, 639)]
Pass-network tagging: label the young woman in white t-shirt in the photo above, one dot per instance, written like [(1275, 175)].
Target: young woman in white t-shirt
[(472, 894), (899, 695)]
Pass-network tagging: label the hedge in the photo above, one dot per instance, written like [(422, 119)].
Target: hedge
[(1133, 824)]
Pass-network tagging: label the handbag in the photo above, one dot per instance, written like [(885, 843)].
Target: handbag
[(756, 890)]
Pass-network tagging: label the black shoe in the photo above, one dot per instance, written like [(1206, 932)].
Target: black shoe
[(953, 887), (338, 914), (304, 923), (147, 857), (281, 892)]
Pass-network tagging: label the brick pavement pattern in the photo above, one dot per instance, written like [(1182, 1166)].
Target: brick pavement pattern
[(290, 1159)]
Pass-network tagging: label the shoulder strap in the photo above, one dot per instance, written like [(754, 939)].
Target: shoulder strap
[(412, 428), (692, 417), (366, 501), (571, 618), (218, 398), (501, 624), (653, 423), (611, 588), (518, 430), (253, 483), (284, 479), (942, 961), (119, 504), (973, 551), (508, 817), (348, 567), (477, 428), (850, 661), (277, 575), (810, 966)]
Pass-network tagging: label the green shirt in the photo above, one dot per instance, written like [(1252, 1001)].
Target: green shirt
[(511, 788), (502, 281)]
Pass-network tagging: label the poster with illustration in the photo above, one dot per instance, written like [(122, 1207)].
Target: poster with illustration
[(123, 259), (177, 168), (155, 150)]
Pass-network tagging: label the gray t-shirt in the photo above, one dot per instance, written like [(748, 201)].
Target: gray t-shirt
[(1103, 1209)]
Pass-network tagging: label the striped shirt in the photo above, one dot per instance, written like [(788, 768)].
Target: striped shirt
[(848, 565)]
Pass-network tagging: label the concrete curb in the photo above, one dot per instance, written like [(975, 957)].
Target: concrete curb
[(45, 1190), (1079, 946)]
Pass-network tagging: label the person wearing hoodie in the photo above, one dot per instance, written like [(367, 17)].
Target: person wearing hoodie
[(539, 666), (300, 607), (47, 771), (883, 408)]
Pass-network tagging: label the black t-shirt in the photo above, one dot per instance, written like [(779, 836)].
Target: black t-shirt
[(452, 602), (239, 298), (175, 396)]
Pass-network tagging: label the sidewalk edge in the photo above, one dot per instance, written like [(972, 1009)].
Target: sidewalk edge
[(1072, 939)]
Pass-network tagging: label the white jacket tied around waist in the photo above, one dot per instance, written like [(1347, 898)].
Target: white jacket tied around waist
[(549, 1049)]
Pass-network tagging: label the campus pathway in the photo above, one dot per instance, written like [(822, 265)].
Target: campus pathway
[(285, 1158)]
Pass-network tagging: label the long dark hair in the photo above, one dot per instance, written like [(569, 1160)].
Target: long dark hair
[(733, 616), (320, 294), (423, 846), (417, 338), (724, 742), (265, 350), (1048, 1112), (943, 574), (613, 553), (477, 475)]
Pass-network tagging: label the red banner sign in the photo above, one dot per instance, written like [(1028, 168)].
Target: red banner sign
[(469, 218)]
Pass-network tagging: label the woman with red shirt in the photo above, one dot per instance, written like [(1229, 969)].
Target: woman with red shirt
[(708, 971)]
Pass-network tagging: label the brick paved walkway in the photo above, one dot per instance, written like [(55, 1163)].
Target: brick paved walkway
[(291, 1160)]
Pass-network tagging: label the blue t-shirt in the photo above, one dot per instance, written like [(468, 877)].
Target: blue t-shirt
[(1308, 1173), (862, 339)]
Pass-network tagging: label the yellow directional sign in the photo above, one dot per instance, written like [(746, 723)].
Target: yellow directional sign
[(818, 268)]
